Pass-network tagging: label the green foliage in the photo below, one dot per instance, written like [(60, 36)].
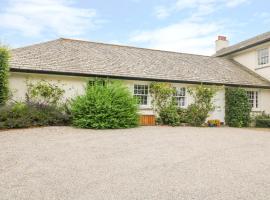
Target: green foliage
[(262, 121), (163, 103), (183, 115), (161, 95), (42, 108), (4, 69), (168, 115), (237, 107), (44, 92), (109, 105), (165, 107), (24, 115), (198, 111), (196, 116)]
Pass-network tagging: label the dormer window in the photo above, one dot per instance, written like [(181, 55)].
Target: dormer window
[(263, 56)]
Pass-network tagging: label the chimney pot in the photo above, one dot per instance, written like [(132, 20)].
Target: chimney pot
[(221, 42), (221, 37)]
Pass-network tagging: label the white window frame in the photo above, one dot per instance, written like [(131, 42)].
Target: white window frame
[(138, 92), (263, 57), (253, 98), (180, 96)]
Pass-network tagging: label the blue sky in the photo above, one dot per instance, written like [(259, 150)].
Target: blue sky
[(189, 26)]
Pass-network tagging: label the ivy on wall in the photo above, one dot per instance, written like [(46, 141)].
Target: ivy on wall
[(237, 107), (4, 69)]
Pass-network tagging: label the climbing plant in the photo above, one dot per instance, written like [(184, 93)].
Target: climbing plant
[(161, 95), (237, 107), (198, 111)]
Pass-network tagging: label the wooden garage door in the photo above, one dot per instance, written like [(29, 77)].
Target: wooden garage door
[(147, 120)]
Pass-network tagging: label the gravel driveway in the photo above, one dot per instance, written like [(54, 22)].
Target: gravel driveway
[(142, 163)]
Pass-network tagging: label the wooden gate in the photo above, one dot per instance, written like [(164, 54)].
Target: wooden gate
[(147, 120)]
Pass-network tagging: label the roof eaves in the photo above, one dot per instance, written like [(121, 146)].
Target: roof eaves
[(134, 78)]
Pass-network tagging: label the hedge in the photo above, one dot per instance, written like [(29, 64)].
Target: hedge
[(262, 121), (25, 115), (4, 59), (237, 107)]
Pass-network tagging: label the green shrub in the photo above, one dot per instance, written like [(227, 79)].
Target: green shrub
[(44, 92), (196, 116), (42, 108), (161, 95), (168, 115), (163, 103), (183, 115), (198, 111), (262, 121), (22, 115), (4, 59), (237, 107), (105, 106)]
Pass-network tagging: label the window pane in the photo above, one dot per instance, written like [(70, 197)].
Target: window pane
[(141, 93), (253, 99), (263, 56), (180, 96)]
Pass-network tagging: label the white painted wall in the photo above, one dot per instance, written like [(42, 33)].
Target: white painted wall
[(74, 86), (264, 100), (249, 58)]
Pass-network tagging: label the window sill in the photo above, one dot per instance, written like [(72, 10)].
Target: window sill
[(146, 107), (256, 110)]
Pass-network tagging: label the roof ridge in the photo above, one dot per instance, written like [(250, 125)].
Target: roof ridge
[(133, 47), (32, 45)]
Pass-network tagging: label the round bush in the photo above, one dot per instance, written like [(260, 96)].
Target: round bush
[(104, 106), (168, 115)]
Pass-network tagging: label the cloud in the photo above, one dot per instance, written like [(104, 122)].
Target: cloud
[(161, 12), (195, 33), (185, 36), (234, 3), (35, 18), (199, 7)]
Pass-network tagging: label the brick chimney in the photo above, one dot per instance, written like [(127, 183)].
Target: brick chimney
[(221, 43)]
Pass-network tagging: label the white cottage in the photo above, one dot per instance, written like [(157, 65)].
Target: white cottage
[(73, 62)]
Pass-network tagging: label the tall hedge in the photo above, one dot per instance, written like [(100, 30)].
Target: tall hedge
[(237, 107), (4, 59), (105, 106)]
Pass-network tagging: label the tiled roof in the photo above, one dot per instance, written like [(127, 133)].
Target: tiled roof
[(89, 58), (259, 39)]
